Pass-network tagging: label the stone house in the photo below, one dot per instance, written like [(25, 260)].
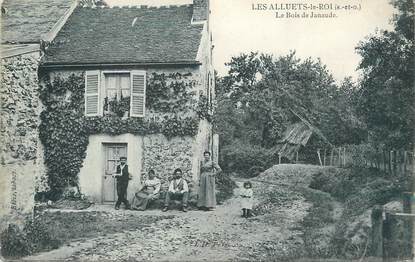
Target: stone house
[(143, 88), (23, 24)]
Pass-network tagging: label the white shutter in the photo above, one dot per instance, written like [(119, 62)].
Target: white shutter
[(92, 84), (138, 93)]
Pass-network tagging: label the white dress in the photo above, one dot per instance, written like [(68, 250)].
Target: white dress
[(246, 195)]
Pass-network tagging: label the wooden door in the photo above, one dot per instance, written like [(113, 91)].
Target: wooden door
[(113, 152)]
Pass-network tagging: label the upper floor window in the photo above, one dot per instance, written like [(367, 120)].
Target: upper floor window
[(119, 92), (117, 89)]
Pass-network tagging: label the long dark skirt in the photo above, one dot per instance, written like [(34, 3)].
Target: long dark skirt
[(141, 199), (206, 195)]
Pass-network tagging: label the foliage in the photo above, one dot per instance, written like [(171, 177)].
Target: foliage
[(118, 107), (62, 129), (170, 93), (358, 190), (345, 184), (40, 236), (319, 216), (360, 154), (65, 131), (385, 99), (14, 242), (262, 95), (246, 160), (225, 186), (205, 108)]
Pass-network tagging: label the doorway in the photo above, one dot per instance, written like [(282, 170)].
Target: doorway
[(113, 152)]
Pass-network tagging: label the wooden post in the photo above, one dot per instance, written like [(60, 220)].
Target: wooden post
[(344, 156), (395, 167), (412, 200), (407, 199), (279, 158), (331, 157), (339, 163), (390, 163), (404, 161), (296, 157), (377, 231), (400, 167), (324, 158), (319, 157)]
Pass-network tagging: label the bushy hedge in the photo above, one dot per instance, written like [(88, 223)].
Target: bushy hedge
[(345, 184), (34, 237), (245, 159), (14, 242)]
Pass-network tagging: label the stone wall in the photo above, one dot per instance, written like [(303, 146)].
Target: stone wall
[(164, 156), (21, 159)]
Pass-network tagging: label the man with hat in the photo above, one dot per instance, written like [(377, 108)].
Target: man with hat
[(122, 176)]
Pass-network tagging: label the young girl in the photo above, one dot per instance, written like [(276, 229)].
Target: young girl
[(246, 194)]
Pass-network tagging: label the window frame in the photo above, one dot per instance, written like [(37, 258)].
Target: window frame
[(102, 89)]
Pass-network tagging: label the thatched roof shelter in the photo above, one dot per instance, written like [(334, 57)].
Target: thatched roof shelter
[(296, 135)]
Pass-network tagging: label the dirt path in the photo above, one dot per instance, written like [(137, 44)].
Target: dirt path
[(219, 235)]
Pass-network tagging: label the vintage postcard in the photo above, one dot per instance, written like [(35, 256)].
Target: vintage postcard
[(207, 130)]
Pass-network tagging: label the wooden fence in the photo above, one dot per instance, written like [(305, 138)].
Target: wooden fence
[(394, 162)]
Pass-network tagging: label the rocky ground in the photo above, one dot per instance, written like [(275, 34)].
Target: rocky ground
[(275, 232), (219, 235)]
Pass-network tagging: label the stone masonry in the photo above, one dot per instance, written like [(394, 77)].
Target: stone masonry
[(20, 158), (164, 156)]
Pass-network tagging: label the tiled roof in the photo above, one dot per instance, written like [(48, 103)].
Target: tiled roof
[(126, 35), (25, 21)]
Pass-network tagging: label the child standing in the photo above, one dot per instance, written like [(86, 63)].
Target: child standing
[(246, 194)]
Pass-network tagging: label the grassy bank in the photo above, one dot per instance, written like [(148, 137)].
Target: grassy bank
[(338, 224)]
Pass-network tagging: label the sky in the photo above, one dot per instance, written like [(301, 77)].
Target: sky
[(238, 29)]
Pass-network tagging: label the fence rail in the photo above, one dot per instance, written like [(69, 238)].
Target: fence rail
[(394, 162)]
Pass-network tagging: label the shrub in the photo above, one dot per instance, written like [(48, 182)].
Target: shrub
[(14, 242), (247, 160), (34, 237), (40, 236), (225, 186)]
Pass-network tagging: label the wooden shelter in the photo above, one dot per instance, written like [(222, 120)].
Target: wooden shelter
[(296, 135)]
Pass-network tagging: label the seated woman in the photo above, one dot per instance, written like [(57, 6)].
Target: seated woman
[(149, 191)]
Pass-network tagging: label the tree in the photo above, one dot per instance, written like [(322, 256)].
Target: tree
[(386, 97), (266, 90), (92, 3)]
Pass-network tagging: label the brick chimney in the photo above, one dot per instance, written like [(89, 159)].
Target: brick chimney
[(200, 10)]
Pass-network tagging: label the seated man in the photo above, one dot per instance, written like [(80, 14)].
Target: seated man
[(178, 190)]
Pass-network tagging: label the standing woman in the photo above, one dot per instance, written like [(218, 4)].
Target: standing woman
[(208, 171)]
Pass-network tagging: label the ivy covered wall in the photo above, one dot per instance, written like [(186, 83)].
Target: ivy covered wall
[(174, 108)]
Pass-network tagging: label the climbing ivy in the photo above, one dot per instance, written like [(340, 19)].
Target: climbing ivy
[(65, 131), (170, 93)]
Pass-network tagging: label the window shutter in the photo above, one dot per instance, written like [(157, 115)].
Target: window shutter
[(92, 84), (138, 93)]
